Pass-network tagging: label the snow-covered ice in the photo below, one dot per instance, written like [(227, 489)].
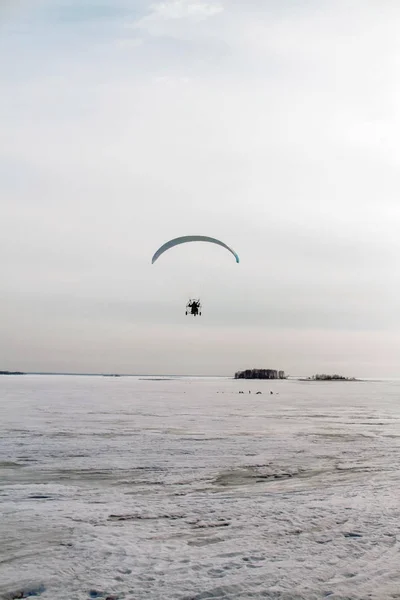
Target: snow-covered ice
[(185, 489)]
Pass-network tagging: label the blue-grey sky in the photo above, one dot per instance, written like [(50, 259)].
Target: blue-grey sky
[(271, 125)]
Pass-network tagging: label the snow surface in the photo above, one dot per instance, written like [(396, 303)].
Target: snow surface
[(136, 489)]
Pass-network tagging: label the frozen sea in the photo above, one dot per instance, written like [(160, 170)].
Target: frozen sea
[(135, 489)]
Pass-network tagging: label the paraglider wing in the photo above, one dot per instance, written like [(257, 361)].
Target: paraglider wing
[(191, 238)]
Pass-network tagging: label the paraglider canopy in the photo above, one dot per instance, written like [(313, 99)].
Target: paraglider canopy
[(191, 238)]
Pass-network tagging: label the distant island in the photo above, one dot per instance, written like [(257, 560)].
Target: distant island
[(11, 373), (260, 374), (324, 377)]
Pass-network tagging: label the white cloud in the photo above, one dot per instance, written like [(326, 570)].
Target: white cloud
[(184, 9), (181, 19)]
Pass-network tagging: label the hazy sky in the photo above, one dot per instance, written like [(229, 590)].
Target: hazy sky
[(273, 125)]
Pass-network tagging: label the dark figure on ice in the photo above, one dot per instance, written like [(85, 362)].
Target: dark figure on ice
[(193, 307)]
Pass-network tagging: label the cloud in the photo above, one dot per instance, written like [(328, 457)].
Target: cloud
[(182, 9), (272, 128), (66, 12), (175, 30)]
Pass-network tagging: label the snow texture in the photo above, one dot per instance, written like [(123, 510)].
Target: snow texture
[(133, 488)]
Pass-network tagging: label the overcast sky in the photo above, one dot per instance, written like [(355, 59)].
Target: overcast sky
[(273, 125)]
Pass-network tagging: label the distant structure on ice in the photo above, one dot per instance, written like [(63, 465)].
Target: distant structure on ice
[(11, 373), (324, 377), (260, 374)]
